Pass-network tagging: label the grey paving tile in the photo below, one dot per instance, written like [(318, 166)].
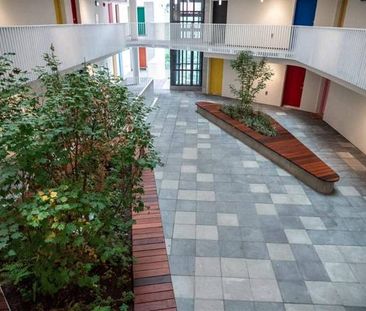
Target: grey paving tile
[(260, 269), (229, 233), (183, 247), (313, 271), (329, 253), (353, 254), (299, 307), (297, 236), (265, 290), (323, 293), (234, 267), (351, 294), (187, 218), (329, 308), (255, 250), (286, 270), (339, 272), (207, 248), (184, 232), (226, 219), (269, 306), (359, 270), (187, 206), (265, 209), (208, 266), (185, 304), (206, 232), (182, 265), (231, 249), (235, 305), (279, 251), (208, 287), (303, 252), (169, 184), (251, 234), (237, 289), (314, 223), (294, 292), (183, 286), (208, 305), (274, 235), (206, 218)]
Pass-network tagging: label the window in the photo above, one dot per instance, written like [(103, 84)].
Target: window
[(186, 66)]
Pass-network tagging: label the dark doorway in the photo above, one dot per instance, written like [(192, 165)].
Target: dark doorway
[(219, 16)]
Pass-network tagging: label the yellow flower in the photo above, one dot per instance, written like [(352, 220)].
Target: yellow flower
[(44, 198), (53, 194), (40, 193)]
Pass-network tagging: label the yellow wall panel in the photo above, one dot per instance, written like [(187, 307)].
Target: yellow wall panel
[(216, 76), (58, 11)]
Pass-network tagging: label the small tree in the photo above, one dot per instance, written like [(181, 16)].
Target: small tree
[(252, 78)]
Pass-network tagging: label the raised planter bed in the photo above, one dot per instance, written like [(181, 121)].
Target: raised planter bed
[(284, 149), (152, 283)]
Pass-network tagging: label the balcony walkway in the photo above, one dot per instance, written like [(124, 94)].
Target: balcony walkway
[(244, 235), (338, 54)]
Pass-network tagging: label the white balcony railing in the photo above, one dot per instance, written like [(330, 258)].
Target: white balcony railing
[(74, 44), (336, 52)]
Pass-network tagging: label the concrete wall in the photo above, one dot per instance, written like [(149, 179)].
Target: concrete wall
[(356, 14), (30, 12), (311, 92), (325, 13), (272, 95), (91, 14), (325, 16), (346, 112), (275, 12)]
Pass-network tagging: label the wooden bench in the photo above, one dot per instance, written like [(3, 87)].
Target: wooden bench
[(284, 149), (152, 283)]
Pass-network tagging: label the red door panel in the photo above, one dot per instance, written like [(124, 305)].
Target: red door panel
[(142, 57), (294, 83)]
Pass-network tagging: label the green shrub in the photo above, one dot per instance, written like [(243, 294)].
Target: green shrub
[(71, 161), (252, 78)]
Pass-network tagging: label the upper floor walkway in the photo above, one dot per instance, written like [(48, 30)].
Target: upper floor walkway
[(335, 53)]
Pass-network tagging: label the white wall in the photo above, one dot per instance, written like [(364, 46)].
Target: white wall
[(311, 92), (325, 13), (356, 14), (91, 14), (27, 12), (274, 12), (274, 87), (346, 112)]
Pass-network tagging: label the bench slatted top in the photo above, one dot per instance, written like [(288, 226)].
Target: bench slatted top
[(285, 144), (152, 284)]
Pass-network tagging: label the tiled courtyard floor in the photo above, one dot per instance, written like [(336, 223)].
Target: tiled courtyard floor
[(244, 235)]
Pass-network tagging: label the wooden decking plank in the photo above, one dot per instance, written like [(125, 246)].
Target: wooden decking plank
[(153, 287)]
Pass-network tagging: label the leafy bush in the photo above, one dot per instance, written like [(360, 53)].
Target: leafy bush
[(71, 160), (252, 78)]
